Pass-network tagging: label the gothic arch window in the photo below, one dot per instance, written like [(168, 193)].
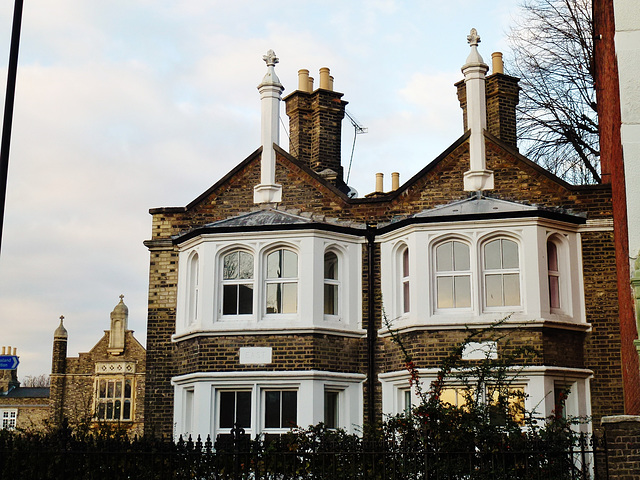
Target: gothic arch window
[(281, 282), (331, 283), (501, 273), (404, 294), (452, 275), (237, 283), (193, 288)]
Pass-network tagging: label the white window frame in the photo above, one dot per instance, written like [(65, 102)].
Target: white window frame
[(251, 429), (266, 281), (9, 418), (193, 288), (436, 274), (263, 403), (333, 282), (237, 282), (485, 272)]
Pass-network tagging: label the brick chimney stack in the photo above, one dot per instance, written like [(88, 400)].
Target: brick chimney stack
[(315, 123), (502, 96)]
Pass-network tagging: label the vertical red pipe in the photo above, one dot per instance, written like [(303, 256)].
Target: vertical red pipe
[(611, 160)]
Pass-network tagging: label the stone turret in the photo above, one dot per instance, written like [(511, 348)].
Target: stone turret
[(119, 325)]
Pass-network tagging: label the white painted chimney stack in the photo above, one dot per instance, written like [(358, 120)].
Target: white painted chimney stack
[(474, 70), (270, 94)]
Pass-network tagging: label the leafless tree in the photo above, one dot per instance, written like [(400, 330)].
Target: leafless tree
[(552, 53), (42, 380)]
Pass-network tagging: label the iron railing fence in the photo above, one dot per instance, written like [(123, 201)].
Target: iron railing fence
[(241, 458)]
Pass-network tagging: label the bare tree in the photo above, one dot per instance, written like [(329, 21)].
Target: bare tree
[(552, 54), (42, 380)]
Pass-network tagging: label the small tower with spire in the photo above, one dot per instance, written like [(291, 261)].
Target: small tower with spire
[(119, 325)]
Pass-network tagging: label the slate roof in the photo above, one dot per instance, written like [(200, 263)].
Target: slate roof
[(28, 392)]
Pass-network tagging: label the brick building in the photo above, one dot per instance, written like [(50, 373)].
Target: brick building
[(21, 408), (105, 384), (267, 291)]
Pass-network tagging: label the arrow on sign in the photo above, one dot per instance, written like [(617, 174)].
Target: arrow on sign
[(8, 362)]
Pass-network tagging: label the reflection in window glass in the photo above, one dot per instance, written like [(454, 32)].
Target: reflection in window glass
[(453, 275), (554, 275), (235, 408), (406, 304), (237, 283), (113, 398), (331, 283), (331, 409), (282, 282), (281, 408), (502, 276)]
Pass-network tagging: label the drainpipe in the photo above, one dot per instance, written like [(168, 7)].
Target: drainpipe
[(371, 326)]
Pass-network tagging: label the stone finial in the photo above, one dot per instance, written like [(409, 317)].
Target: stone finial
[(473, 38), (270, 58), (60, 332)]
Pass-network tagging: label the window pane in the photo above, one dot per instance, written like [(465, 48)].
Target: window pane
[(405, 296), (445, 292), (509, 254), (461, 256), (289, 409), (444, 257), (243, 410), (407, 401), (109, 415), (290, 264), (493, 287), (449, 395), (273, 298), (552, 257), (110, 389), (246, 265), (289, 298), (101, 411), (330, 299), (118, 389), (245, 302), (331, 409), (103, 389), (492, 255), (230, 299), (116, 410), (512, 289), (462, 288), (554, 291), (405, 263), (227, 407), (331, 266), (126, 411), (272, 409), (230, 267), (127, 389), (273, 264)]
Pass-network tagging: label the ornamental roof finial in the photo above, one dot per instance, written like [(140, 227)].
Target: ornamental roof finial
[(270, 58), (473, 38)]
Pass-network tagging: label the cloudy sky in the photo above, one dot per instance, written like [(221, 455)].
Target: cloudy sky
[(125, 105)]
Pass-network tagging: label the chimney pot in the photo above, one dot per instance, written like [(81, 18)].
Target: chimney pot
[(379, 182), (395, 181), (3, 350), (310, 87), (303, 80), (325, 79), (497, 65), (15, 351)]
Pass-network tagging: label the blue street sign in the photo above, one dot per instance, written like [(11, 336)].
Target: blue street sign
[(8, 362)]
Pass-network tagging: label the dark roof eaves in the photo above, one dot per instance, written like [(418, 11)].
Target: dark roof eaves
[(548, 214), (178, 239)]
